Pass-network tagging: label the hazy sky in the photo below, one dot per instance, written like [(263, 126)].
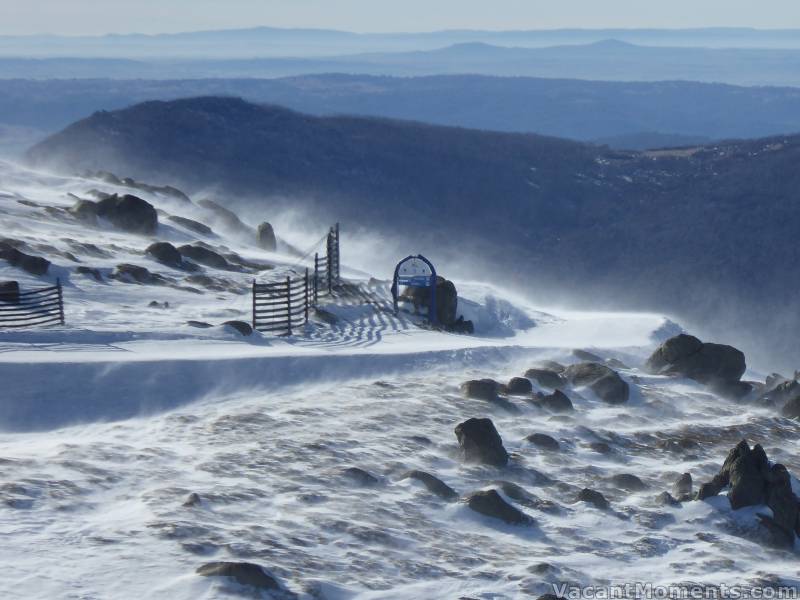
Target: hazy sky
[(153, 16)]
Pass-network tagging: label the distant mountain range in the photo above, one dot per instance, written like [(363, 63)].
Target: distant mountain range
[(623, 115), (707, 233), (275, 42), (607, 60)]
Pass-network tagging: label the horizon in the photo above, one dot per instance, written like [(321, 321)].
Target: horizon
[(85, 18)]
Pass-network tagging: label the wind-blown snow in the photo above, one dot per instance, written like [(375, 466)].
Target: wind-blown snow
[(111, 422)]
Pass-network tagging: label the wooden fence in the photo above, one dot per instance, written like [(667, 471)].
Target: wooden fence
[(281, 307), (19, 309)]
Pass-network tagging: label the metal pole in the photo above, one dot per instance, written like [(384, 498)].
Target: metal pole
[(289, 304), (60, 301), (306, 299), (255, 325)]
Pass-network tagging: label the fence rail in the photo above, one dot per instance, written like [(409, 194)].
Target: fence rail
[(282, 306), (30, 308)]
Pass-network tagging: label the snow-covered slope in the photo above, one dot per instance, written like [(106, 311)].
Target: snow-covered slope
[(110, 422)]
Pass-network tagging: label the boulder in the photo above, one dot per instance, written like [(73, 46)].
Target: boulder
[(199, 324), (593, 497), (35, 265), (481, 389), (243, 573), (545, 378), (128, 273), (666, 499), (792, 408), (491, 504), (166, 254), (265, 237), (518, 386), (602, 380), (9, 292), (360, 476), (434, 484), (89, 272), (687, 356), (780, 393), (241, 327), (550, 365), (712, 488), (557, 402), (192, 499), (461, 326), (84, 211), (129, 213), (586, 356), (446, 300), (543, 441), (205, 256), (191, 225), (683, 486), (628, 482), (480, 442), (522, 496)]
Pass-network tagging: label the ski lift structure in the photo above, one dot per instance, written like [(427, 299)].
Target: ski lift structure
[(418, 272)]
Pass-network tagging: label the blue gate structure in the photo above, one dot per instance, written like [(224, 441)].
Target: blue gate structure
[(416, 271)]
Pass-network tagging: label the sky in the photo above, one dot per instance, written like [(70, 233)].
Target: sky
[(94, 17)]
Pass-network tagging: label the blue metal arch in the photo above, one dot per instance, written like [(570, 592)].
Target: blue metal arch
[(431, 284)]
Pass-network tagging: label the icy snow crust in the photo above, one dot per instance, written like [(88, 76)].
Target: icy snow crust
[(111, 422)]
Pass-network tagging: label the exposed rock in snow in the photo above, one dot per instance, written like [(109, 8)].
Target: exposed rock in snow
[(491, 504), (481, 443), (602, 380)]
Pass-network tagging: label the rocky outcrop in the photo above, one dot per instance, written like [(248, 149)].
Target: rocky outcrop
[(433, 484), (557, 402), (226, 218), (602, 380), (543, 441), (128, 273), (687, 356), (480, 442), (683, 486), (166, 254), (491, 504), (191, 225), (242, 328), (545, 378), (752, 480), (517, 386), (481, 389), (35, 265), (243, 573), (128, 213), (205, 256), (265, 237)]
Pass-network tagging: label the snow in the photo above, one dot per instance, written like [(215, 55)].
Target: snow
[(107, 424)]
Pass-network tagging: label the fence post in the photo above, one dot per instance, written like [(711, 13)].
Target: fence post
[(60, 301), (306, 299), (289, 304), (316, 278), (255, 325), (329, 260), (338, 262)]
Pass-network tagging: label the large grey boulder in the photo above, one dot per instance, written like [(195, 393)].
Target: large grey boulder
[(557, 402), (687, 356), (433, 484), (481, 389), (35, 265), (480, 442), (602, 380), (491, 504), (265, 237), (205, 256), (446, 300), (545, 377), (165, 253), (129, 213)]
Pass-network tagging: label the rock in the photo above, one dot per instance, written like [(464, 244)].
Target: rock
[(586, 356), (461, 326), (434, 484), (545, 377), (525, 498), (687, 356), (244, 573), (129, 213), (243, 328), (792, 408), (84, 211), (157, 304), (265, 237), (480, 442), (481, 389), (615, 363), (602, 380), (489, 503), (746, 481), (360, 476), (666, 499), (204, 256), (600, 447), (518, 386), (90, 272), (551, 365), (191, 224), (557, 402), (628, 482), (446, 300), (192, 499), (543, 441), (128, 273), (166, 254), (711, 488), (199, 324), (683, 486), (593, 497), (781, 499), (226, 218), (35, 265), (9, 292)]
